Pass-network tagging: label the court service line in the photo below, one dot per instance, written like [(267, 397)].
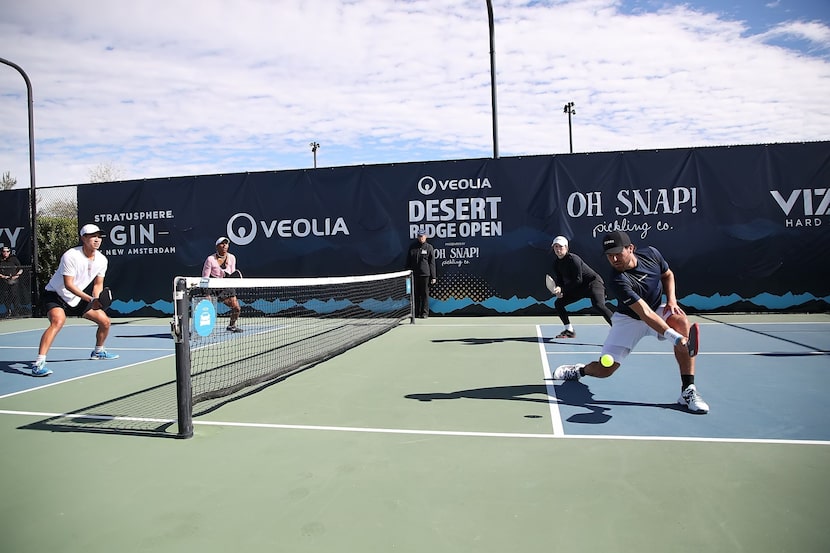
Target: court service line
[(555, 415), (420, 432)]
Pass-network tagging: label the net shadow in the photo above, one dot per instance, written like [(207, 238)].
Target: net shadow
[(815, 349), (150, 412), (208, 406)]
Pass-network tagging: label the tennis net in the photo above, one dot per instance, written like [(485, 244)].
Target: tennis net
[(285, 325)]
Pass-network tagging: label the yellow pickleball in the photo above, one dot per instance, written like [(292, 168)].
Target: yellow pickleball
[(606, 360)]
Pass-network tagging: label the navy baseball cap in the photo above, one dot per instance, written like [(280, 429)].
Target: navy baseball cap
[(615, 242)]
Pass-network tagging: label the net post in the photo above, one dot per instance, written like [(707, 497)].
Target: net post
[(180, 328)]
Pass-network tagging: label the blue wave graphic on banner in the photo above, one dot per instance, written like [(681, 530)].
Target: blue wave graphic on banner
[(698, 303), (272, 307), (494, 304)]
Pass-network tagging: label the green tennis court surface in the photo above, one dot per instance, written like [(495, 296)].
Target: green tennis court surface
[(442, 436)]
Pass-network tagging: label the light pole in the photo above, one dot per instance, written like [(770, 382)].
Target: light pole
[(32, 193), (493, 78), (314, 147), (569, 109)]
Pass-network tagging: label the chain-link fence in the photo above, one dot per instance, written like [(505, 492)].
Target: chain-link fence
[(57, 230), (15, 292)]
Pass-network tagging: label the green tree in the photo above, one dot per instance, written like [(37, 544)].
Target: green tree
[(55, 235), (57, 228)]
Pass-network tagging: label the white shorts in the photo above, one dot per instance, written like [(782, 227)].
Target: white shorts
[(626, 332)]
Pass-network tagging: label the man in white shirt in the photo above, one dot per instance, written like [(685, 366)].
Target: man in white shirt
[(65, 295)]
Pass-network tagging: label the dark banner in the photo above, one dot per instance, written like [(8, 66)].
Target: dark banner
[(15, 230), (743, 228)]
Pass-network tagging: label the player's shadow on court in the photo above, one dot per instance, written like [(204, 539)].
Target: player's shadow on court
[(526, 339), (482, 341), (513, 393), (578, 394), (573, 394), (16, 367), (24, 368)]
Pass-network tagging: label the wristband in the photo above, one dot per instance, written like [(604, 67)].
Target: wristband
[(673, 335)]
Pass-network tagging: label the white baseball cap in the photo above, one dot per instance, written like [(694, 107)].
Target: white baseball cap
[(561, 240), (222, 239), (91, 229)]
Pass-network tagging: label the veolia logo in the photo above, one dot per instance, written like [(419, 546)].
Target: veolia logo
[(244, 232), (427, 185)]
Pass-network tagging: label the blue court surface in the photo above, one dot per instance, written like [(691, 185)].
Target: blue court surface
[(763, 381), (69, 355)]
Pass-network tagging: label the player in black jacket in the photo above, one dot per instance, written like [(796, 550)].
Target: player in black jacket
[(421, 260), (575, 280)]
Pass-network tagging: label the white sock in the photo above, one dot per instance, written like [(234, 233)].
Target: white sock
[(41, 360), (569, 328), (99, 349)]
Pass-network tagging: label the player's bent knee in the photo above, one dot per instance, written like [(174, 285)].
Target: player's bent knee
[(57, 323), (100, 318), (680, 323)]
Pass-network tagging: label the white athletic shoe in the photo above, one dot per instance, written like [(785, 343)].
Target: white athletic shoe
[(567, 372), (692, 400)]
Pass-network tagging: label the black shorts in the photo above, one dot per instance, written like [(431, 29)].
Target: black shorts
[(50, 300), (227, 294)]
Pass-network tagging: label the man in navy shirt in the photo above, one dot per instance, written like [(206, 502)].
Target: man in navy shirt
[(639, 281)]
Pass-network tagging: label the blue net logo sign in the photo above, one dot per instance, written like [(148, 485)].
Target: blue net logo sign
[(204, 318)]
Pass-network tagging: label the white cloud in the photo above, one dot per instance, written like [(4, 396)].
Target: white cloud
[(815, 32), (164, 88)]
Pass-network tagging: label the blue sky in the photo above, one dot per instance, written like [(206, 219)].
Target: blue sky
[(159, 88)]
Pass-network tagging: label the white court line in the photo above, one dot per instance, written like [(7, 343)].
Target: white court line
[(84, 348), (55, 383), (404, 431), (555, 415), (702, 353)]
